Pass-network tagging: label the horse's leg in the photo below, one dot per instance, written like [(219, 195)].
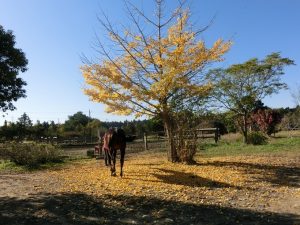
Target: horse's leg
[(122, 150), (106, 155), (110, 154), (109, 159), (113, 165)]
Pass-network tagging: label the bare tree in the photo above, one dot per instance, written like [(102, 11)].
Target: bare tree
[(296, 95)]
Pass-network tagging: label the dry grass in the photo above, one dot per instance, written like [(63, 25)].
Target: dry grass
[(232, 137), (288, 134)]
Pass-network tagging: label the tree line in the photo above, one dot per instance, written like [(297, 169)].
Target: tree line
[(79, 125)]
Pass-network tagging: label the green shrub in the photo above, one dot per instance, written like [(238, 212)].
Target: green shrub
[(90, 153), (31, 154), (257, 138)]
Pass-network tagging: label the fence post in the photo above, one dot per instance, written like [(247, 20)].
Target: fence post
[(145, 141), (216, 135)]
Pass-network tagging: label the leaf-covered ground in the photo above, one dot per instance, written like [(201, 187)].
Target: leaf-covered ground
[(261, 189)]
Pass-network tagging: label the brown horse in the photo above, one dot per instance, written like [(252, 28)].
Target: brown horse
[(115, 140)]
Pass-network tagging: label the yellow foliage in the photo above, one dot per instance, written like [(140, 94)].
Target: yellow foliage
[(150, 70)]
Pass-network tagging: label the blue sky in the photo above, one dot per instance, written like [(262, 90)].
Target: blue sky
[(54, 34)]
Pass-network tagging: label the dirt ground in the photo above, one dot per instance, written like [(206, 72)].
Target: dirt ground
[(262, 189)]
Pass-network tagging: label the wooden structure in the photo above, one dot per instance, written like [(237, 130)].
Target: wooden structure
[(208, 133), (202, 133), (98, 151)]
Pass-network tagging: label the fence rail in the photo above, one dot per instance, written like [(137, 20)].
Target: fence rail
[(147, 141)]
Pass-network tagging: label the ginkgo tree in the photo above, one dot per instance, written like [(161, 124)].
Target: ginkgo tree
[(151, 67)]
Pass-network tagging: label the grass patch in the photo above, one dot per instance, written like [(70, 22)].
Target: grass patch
[(6, 165), (229, 147), (18, 157)]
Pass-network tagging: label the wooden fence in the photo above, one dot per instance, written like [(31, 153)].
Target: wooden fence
[(154, 140), (148, 141), (209, 133)]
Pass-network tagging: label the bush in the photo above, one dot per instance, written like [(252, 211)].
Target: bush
[(31, 154), (266, 120), (90, 153), (257, 138)]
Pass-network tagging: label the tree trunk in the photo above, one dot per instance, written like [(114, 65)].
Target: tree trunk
[(169, 129), (245, 128)]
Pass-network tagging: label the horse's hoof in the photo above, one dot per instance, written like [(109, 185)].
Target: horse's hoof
[(121, 174), (113, 174)]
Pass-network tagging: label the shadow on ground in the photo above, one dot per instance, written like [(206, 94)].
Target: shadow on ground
[(179, 178), (80, 209), (187, 179), (288, 176)]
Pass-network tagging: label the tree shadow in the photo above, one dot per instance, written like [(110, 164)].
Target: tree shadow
[(288, 176), (81, 209), (147, 164), (187, 179)]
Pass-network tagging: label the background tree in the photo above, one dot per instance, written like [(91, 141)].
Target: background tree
[(93, 128), (76, 122), (239, 87), (53, 129), (129, 127), (296, 95), (24, 125), (155, 125), (150, 68), (291, 119), (12, 61), (38, 130), (266, 120), (8, 131)]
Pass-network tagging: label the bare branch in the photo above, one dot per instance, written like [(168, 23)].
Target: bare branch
[(143, 37), (142, 14)]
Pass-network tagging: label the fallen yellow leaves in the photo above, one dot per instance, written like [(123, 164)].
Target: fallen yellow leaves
[(246, 182)]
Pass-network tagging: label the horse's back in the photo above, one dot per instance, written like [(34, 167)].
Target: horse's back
[(121, 135), (118, 140), (122, 138)]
